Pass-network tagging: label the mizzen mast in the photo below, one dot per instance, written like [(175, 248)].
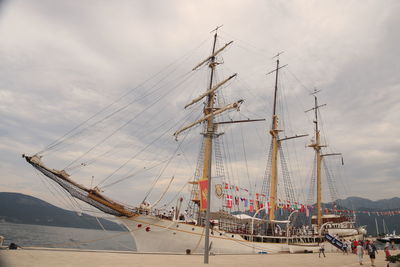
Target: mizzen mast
[(316, 145)]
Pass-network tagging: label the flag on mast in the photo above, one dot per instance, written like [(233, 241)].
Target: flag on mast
[(203, 185)]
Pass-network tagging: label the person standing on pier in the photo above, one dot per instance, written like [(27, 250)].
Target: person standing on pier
[(360, 252), (321, 249), (371, 252), (386, 249), (344, 242)]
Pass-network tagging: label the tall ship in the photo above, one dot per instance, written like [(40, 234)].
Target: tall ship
[(209, 223)]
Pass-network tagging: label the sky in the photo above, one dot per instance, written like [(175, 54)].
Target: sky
[(63, 61)]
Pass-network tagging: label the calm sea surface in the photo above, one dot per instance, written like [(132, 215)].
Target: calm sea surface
[(63, 237)]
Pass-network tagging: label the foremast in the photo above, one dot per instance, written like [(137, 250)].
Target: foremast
[(208, 137), (209, 112)]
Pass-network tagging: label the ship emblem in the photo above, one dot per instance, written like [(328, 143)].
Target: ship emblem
[(218, 190)]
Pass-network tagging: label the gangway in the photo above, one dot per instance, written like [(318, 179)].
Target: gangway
[(337, 243)]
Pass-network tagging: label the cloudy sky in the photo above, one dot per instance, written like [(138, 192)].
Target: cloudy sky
[(61, 62)]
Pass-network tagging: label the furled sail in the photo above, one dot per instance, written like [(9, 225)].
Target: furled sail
[(235, 105), (212, 90), (213, 55)]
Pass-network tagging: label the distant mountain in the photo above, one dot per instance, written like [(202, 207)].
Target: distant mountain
[(20, 208), (392, 223), (359, 203)]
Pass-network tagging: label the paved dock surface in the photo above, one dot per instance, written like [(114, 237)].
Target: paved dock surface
[(62, 258)]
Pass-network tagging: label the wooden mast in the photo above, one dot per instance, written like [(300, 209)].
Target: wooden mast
[(317, 149), (274, 164), (276, 141), (316, 144), (209, 113), (275, 146)]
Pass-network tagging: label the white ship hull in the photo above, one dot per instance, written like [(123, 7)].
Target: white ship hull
[(153, 234)]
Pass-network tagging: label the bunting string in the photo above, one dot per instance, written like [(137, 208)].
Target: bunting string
[(238, 197)]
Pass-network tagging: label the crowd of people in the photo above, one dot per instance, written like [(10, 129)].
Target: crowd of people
[(367, 247), (360, 248)]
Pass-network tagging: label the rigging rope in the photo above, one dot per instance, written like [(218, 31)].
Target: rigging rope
[(163, 194), (126, 123), (331, 182), (49, 184), (65, 136), (265, 189), (166, 165), (194, 194), (311, 195), (134, 174), (245, 157), (289, 191), (122, 108), (145, 148), (219, 161)]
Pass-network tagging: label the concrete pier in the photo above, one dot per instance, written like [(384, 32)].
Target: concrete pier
[(43, 257)]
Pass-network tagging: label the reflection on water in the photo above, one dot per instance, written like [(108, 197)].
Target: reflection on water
[(63, 237)]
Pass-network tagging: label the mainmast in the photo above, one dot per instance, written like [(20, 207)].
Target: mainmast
[(276, 143), (274, 164)]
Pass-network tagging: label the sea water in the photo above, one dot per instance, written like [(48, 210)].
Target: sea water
[(27, 235)]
